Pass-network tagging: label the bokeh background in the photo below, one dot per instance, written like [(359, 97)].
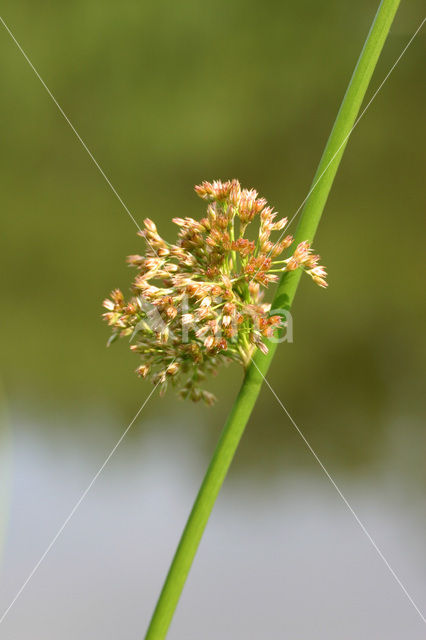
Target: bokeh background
[(165, 95)]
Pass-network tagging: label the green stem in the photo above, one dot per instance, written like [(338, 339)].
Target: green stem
[(253, 380)]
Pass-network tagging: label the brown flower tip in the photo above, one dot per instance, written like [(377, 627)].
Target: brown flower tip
[(197, 304)]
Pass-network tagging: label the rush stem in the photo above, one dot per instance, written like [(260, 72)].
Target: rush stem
[(247, 396)]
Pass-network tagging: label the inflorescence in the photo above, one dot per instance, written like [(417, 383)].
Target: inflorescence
[(199, 303)]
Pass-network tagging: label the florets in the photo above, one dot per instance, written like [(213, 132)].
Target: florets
[(198, 303)]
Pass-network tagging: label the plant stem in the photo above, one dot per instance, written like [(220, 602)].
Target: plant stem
[(253, 380)]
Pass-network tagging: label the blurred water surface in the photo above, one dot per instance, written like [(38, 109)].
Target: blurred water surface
[(282, 557)]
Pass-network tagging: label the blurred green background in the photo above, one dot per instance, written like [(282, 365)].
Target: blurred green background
[(166, 95)]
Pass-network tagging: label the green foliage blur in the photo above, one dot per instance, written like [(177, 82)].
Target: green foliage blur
[(166, 95)]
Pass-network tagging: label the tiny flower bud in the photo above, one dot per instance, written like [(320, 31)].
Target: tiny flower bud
[(187, 319), (172, 369), (108, 304), (209, 342), (143, 370), (150, 225)]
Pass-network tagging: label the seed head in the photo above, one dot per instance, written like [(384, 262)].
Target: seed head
[(206, 307)]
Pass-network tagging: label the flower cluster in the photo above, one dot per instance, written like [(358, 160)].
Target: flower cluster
[(198, 303)]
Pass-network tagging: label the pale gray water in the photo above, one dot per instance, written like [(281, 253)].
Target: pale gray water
[(282, 558)]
